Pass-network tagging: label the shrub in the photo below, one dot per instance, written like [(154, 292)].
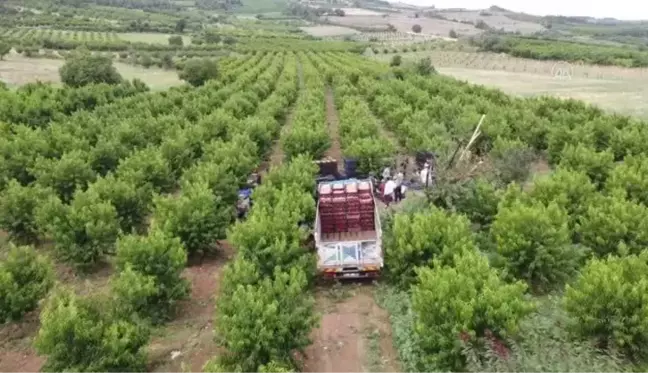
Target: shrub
[(477, 199), (597, 165), (423, 239), (83, 68), (609, 303), (511, 159), (18, 206), (25, 278), (613, 225), (264, 322), (160, 259), (65, 175), (197, 217), (424, 67), (176, 40), (131, 203), (83, 335), (571, 190), (417, 28), (469, 298), (84, 231), (544, 346), (397, 60), (534, 243), (198, 71)]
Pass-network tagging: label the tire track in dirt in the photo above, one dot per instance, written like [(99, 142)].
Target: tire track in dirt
[(354, 334), (335, 151)]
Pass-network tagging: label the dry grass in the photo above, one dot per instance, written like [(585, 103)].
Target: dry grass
[(16, 70), (615, 88)]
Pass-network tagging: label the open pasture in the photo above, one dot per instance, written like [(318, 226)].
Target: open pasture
[(17, 70)]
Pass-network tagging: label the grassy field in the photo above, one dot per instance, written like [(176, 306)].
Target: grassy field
[(18, 70), (151, 38), (619, 89)]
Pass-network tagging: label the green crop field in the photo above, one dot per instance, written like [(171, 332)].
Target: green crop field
[(126, 243)]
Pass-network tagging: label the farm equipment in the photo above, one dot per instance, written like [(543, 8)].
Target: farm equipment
[(347, 231)]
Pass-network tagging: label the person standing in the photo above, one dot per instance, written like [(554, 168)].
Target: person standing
[(386, 173), (390, 187), (398, 192)]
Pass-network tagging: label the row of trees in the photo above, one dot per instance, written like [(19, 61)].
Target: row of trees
[(361, 135), (576, 226), (547, 49), (148, 283), (308, 132)]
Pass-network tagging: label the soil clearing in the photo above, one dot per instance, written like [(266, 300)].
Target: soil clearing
[(354, 334), (335, 150), (187, 342)]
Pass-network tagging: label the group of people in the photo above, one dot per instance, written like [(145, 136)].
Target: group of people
[(392, 188)]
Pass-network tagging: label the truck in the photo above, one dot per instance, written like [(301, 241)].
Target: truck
[(347, 232)]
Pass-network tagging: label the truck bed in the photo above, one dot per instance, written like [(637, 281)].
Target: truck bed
[(349, 236)]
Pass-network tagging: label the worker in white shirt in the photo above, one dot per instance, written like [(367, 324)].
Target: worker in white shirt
[(386, 173), (424, 174), (390, 187)]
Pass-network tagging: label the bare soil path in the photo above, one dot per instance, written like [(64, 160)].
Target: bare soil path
[(354, 333), (187, 342), (335, 151), (277, 155)]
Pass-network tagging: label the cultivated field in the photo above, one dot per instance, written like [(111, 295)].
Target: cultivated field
[(17, 70), (615, 88), (404, 23), (495, 20)]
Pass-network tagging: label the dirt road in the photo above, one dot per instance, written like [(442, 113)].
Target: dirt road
[(354, 333)]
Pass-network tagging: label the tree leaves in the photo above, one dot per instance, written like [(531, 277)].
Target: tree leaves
[(25, 278), (609, 303), (469, 297)]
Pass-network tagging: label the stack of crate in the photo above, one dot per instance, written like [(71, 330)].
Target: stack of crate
[(366, 202), (353, 208), (327, 221), (338, 213)]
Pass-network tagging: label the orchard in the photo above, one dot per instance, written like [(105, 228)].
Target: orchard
[(481, 273)]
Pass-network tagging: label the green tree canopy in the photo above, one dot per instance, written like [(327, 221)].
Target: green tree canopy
[(425, 239), (161, 260), (198, 71), (609, 303), (84, 335), (264, 322), (83, 68), (197, 217), (25, 278), (468, 298), (534, 243)]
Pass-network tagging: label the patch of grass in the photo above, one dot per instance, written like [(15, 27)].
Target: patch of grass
[(374, 360), (397, 303)]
